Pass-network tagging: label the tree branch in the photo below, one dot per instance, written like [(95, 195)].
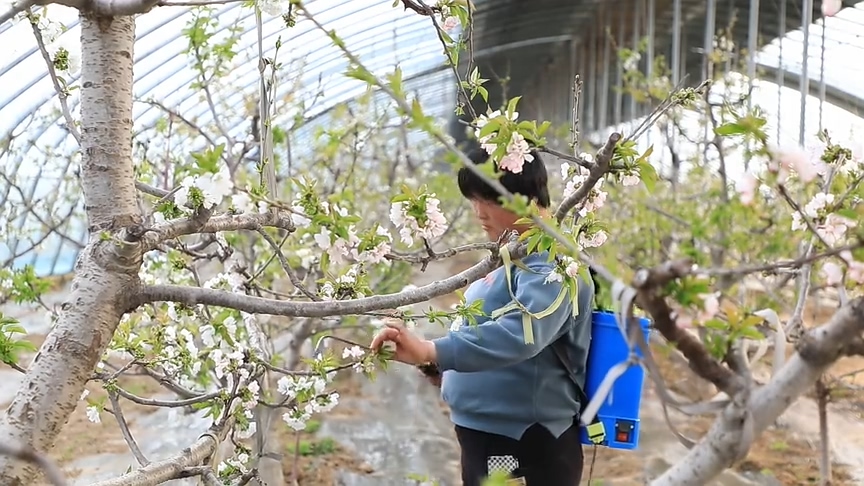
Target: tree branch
[(257, 305), (226, 222), (649, 284), (17, 8), (124, 429), (153, 191), (819, 348), (173, 467), (600, 169)]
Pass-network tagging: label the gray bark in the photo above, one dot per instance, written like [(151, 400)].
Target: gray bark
[(87, 319), (820, 348)]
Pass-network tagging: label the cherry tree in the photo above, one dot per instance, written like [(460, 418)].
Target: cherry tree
[(311, 247)]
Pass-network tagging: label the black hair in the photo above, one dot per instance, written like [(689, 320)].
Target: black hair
[(532, 182)]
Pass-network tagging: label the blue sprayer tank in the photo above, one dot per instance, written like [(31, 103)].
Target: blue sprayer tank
[(620, 410)]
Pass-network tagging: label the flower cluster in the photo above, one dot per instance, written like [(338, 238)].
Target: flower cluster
[(797, 161), (338, 247), (374, 246), (575, 176), (356, 354), (308, 395), (517, 153), (566, 266), (205, 190), (449, 13), (350, 285), (418, 217)]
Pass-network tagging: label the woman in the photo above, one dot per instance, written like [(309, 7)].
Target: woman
[(513, 404)]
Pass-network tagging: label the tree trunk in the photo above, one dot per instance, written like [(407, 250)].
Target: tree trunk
[(55, 379)]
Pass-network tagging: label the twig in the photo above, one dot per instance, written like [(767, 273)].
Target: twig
[(455, 68), (124, 429), (574, 127), (806, 260), (52, 73), (286, 266), (152, 402)]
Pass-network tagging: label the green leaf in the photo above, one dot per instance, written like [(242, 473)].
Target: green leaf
[(489, 128), (731, 128), (484, 93), (396, 82), (848, 213), (511, 106), (648, 175), (715, 324), (751, 332), (361, 74)]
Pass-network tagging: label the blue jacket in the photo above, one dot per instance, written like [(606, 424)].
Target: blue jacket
[(494, 382)]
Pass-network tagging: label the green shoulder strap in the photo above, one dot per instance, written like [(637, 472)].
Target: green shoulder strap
[(527, 316)]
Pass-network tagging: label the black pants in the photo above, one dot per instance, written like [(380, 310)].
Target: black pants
[(542, 459)]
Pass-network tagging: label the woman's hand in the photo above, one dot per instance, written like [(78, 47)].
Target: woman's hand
[(410, 349)]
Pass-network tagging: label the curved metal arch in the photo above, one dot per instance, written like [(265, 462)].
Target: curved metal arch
[(311, 122), (337, 99), (833, 94), (250, 71), (254, 41), (371, 43), (74, 102), (43, 72), (304, 81)]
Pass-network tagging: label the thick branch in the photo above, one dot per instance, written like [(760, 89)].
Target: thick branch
[(820, 348), (171, 468), (17, 8), (226, 222), (257, 305), (649, 284)]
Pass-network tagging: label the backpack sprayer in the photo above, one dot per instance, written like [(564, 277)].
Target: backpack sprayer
[(616, 423)]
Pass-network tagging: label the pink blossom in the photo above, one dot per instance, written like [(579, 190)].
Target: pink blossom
[(856, 268), (518, 152), (856, 272), (798, 161), (746, 187), (682, 319), (831, 7), (832, 273), (834, 228), (630, 180), (593, 241), (511, 162), (450, 23), (710, 307)]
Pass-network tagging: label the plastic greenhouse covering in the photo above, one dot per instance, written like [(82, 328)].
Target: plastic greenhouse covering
[(381, 36)]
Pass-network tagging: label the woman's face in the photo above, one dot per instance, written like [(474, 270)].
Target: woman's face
[(494, 219)]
